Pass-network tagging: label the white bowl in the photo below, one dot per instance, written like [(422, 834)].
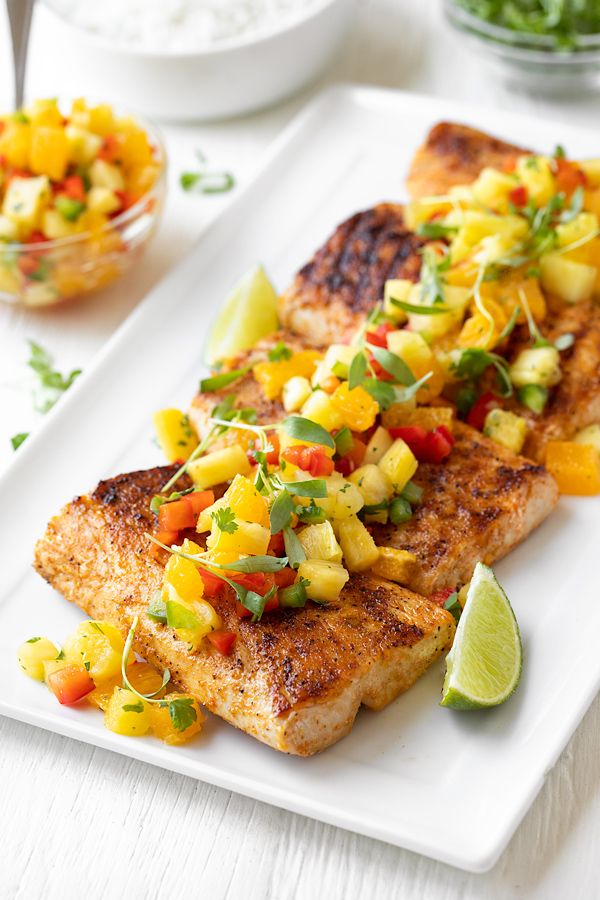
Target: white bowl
[(233, 77)]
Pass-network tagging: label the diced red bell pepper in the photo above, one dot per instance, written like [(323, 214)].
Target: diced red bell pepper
[(440, 597), (311, 459), (110, 149), (252, 581), (224, 641), (165, 537), (199, 501), (352, 460), (446, 433), (272, 455), (241, 611), (285, 577), (127, 198), (28, 264), (378, 336), (568, 176), (277, 544), (272, 604), (427, 446), (176, 516), (70, 685), (480, 409), (519, 195), (213, 585), (74, 187), (36, 237), (380, 373)]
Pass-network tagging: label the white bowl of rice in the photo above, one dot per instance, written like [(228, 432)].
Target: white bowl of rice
[(179, 60)]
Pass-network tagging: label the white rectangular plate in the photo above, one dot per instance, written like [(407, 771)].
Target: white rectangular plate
[(450, 785)]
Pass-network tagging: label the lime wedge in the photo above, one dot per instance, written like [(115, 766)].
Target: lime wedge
[(484, 666), (249, 314)]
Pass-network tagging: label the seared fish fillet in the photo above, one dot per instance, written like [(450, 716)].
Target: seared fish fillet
[(477, 505), (575, 401), (455, 154), (331, 294), (295, 680)]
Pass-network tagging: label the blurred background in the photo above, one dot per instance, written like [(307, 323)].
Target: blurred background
[(391, 43)]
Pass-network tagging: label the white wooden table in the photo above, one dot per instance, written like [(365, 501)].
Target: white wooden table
[(81, 822)]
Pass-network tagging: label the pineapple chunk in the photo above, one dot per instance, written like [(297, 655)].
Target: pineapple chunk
[(429, 417), (295, 393), (433, 327), (49, 153), (319, 542), (83, 145), (491, 189), (248, 539), (535, 173), (343, 498), (373, 483), (572, 281), (127, 714), (591, 170), (219, 466), (396, 289), (538, 365), (106, 175), (380, 442), (327, 579), (102, 200), (506, 428), (9, 230), (97, 645), (359, 548), (246, 502), (98, 119), (589, 435), (36, 651), (205, 519), (582, 227), (319, 408), (44, 112), (335, 362), (54, 225), (399, 464), (396, 565), (40, 294), (24, 199), (175, 434), (413, 349)]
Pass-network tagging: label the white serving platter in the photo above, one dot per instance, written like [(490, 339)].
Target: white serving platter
[(450, 785)]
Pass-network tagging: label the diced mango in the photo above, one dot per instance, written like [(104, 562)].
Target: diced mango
[(219, 466), (395, 565), (576, 467), (49, 153), (165, 728), (185, 578), (399, 464), (273, 375), (373, 483), (319, 542), (44, 112), (379, 443), (127, 714), (327, 579), (32, 655), (174, 433), (15, 143), (246, 502), (98, 119), (356, 407), (359, 548)]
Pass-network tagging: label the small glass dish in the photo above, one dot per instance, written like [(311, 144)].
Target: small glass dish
[(46, 273), (536, 62)]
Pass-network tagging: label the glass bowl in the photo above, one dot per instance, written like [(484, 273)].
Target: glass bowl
[(46, 273), (533, 61)]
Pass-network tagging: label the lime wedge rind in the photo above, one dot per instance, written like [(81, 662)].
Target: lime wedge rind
[(248, 315), (483, 669)]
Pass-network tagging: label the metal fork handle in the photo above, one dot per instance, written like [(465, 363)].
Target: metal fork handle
[(19, 17)]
